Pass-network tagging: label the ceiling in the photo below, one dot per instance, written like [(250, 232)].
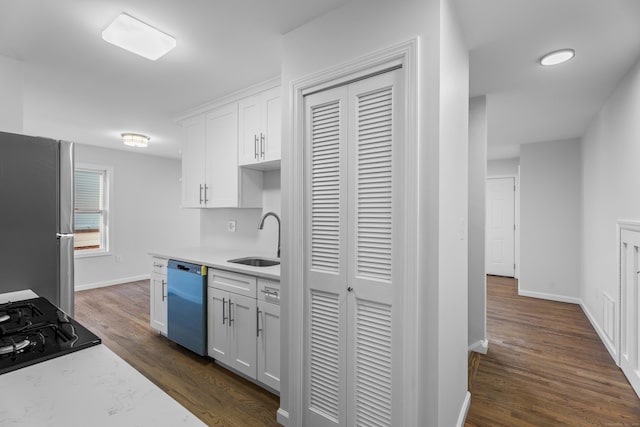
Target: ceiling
[(78, 87), (530, 103)]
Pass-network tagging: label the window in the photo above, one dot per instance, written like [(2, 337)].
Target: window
[(91, 215)]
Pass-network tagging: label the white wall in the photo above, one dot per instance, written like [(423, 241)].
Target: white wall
[(611, 173), (357, 29), (213, 223), (477, 212), (453, 219), (550, 220), (11, 95), (145, 216), (503, 167)]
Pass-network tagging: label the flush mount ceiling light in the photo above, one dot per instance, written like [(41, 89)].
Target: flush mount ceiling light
[(557, 57), (135, 139), (135, 36)]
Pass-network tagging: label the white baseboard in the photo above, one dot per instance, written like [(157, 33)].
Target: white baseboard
[(603, 337), (112, 282), (282, 417), (464, 410), (481, 346), (550, 297)]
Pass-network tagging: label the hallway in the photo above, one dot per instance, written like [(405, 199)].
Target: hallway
[(546, 366)]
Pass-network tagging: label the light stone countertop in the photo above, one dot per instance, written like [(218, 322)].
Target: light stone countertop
[(91, 387), (218, 258)]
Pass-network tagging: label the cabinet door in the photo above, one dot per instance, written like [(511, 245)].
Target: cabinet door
[(249, 124), (269, 344), (158, 294), (193, 165), (218, 324), (270, 149), (222, 157), (243, 320)]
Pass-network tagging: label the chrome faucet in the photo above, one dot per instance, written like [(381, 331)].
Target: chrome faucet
[(261, 226)]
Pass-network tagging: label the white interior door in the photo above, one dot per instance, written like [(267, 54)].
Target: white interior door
[(630, 306), (325, 338), (376, 150), (500, 229), (353, 287)]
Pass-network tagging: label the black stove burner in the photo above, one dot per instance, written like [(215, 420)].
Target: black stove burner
[(32, 331)]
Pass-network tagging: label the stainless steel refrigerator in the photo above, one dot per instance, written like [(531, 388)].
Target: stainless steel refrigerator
[(36, 217)]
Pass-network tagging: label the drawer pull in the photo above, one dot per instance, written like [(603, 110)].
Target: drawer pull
[(269, 293)]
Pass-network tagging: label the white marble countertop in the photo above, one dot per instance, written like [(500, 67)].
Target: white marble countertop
[(91, 387), (219, 258)]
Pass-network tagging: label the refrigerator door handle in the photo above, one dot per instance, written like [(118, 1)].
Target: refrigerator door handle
[(65, 246)]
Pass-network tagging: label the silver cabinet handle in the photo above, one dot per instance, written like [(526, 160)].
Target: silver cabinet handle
[(224, 317), (206, 187), (262, 144), (200, 193), (155, 264), (270, 293), (230, 318), (258, 328), (255, 147), (164, 284)]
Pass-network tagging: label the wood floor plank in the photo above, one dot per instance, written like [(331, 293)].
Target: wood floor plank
[(546, 366), (120, 316)]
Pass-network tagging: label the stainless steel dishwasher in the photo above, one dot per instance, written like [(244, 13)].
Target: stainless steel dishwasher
[(187, 310)]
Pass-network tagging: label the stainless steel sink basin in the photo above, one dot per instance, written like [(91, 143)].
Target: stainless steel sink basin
[(255, 261)]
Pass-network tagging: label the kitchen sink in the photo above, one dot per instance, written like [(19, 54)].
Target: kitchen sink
[(255, 261)]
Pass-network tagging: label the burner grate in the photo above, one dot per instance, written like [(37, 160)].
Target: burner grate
[(35, 330)]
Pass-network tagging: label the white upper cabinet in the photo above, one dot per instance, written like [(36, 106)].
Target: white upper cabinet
[(222, 164), (260, 129), (193, 166), (211, 177)]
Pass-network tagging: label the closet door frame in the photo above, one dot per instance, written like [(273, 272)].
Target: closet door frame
[(403, 56)]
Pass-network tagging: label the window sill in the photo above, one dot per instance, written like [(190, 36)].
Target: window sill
[(80, 255)]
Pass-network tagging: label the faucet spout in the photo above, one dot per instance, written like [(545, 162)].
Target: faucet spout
[(261, 226)]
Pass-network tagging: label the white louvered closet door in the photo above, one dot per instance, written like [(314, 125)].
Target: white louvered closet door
[(352, 283), (326, 261)]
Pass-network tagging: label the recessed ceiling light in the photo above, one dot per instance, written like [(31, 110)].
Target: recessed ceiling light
[(557, 57), (135, 36), (135, 139)]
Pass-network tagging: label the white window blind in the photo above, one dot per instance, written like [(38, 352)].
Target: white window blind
[(90, 214)]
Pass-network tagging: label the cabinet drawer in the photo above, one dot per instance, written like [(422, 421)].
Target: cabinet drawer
[(159, 266), (269, 290), (236, 283)]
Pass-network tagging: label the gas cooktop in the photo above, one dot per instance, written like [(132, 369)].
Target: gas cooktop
[(35, 330)]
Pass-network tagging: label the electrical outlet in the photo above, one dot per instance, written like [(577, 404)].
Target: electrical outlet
[(231, 226), (118, 259)]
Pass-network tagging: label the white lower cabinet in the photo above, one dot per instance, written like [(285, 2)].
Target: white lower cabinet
[(269, 344), (232, 330), (243, 332), (158, 295)]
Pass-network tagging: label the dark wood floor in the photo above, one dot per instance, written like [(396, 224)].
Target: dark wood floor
[(545, 367), (120, 316)]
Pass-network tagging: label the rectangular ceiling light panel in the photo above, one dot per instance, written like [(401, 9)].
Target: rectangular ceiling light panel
[(135, 36)]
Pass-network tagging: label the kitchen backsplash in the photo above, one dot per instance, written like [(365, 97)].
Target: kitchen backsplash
[(214, 223)]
